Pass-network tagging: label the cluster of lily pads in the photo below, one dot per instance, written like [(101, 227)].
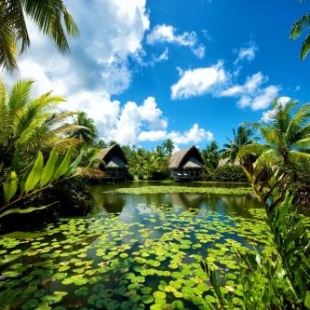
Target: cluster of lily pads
[(104, 262), (152, 189)]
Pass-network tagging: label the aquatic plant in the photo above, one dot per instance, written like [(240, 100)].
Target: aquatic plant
[(147, 261)]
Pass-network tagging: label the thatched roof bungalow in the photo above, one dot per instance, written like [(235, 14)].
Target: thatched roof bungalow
[(186, 164), (115, 163)]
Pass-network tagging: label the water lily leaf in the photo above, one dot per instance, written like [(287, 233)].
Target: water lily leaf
[(147, 299), (82, 291), (30, 304)]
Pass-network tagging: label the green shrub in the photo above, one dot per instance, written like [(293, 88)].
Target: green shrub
[(228, 173)]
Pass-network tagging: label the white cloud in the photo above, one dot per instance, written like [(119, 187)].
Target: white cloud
[(264, 98), (193, 136), (166, 34), (133, 123), (246, 53), (251, 93), (111, 32), (153, 135), (199, 81), (138, 123), (251, 84)]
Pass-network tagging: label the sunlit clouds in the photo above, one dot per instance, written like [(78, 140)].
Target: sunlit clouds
[(198, 81)]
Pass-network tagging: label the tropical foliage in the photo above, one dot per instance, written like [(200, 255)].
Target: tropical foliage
[(86, 130), (22, 185), (275, 277), (241, 137), (147, 165), (211, 156), (35, 147), (298, 28), (51, 17), (31, 124), (287, 142)]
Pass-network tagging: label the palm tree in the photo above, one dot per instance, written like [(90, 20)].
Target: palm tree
[(241, 137), (168, 146), (287, 138), (211, 156), (50, 16), (29, 125), (86, 131), (297, 28), (101, 144)]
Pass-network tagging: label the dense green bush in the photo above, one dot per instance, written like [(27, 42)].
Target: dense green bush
[(227, 173)]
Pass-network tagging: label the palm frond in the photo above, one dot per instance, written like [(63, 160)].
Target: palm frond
[(5, 120), (62, 144), (254, 149), (305, 48), (303, 143), (52, 18), (19, 95), (296, 156), (68, 128), (8, 48), (298, 121), (298, 26)]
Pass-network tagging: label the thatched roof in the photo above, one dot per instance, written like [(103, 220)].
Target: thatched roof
[(113, 156), (189, 158)]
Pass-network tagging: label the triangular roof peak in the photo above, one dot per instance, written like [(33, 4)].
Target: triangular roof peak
[(178, 159)]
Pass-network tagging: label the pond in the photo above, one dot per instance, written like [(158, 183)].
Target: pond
[(133, 252)]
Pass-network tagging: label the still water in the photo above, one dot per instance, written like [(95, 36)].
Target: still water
[(134, 252), (232, 205)]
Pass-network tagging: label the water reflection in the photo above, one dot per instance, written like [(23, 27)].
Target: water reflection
[(130, 207)]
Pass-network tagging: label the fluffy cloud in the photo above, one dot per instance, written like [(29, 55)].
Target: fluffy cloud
[(198, 81), (137, 123), (111, 32), (193, 136), (251, 84), (252, 94), (132, 124), (264, 98), (167, 34)]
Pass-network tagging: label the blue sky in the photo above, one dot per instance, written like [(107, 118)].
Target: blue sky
[(190, 71)]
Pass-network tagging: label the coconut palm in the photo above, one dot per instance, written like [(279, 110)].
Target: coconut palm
[(241, 137), (287, 138), (168, 146), (50, 16), (297, 29), (29, 125), (211, 156), (87, 131)]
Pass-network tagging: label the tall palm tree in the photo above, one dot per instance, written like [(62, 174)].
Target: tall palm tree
[(50, 16), (301, 24), (287, 138), (243, 136), (211, 156), (168, 146), (86, 131)]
